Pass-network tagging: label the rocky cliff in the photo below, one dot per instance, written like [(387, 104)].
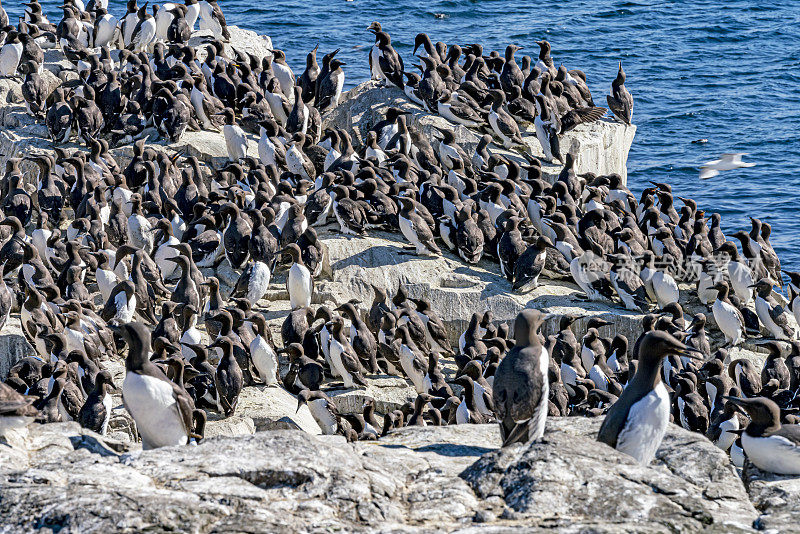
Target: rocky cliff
[(266, 469)]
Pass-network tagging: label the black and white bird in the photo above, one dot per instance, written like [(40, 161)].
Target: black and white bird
[(144, 32), (771, 446), (330, 85), (772, 314), (16, 411), (521, 387), (163, 411), (637, 422), (415, 229), (96, 411), (212, 18), (620, 101), (235, 138), (385, 63)]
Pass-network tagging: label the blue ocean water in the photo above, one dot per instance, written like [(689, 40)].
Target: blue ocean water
[(725, 71)]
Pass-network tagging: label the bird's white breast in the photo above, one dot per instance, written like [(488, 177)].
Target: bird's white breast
[(646, 425), (774, 454), (323, 417), (150, 402)]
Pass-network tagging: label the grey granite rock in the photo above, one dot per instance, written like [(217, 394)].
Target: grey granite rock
[(267, 408), (571, 479), (776, 497), (456, 290), (13, 345), (418, 479)]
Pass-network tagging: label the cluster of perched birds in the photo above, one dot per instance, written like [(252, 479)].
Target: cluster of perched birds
[(138, 73), (495, 94), (134, 230)]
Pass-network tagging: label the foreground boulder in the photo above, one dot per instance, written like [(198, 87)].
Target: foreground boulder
[(572, 480), (418, 479), (776, 497)]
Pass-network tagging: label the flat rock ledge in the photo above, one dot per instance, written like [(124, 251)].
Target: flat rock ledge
[(776, 497), (418, 479), (600, 147)]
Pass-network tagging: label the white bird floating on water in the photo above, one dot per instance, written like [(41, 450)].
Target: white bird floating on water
[(727, 162)]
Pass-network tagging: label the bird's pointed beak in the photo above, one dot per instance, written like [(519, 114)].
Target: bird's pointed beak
[(692, 353), (737, 403)]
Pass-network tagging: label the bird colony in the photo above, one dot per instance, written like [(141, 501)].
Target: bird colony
[(108, 259)]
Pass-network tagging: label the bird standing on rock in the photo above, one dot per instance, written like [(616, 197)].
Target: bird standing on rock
[(235, 138), (728, 317), (385, 63), (521, 386), (771, 446), (620, 101), (637, 422), (299, 282), (161, 409), (416, 229), (16, 411)]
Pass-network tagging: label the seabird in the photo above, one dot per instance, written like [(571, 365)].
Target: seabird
[(329, 86), (726, 162), (503, 125), (728, 317), (10, 54), (342, 355), (144, 32), (308, 80), (772, 314), (161, 409), (769, 445), (637, 422), (262, 352), (96, 411), (283, 73), (725, 427), (212, 18), (322, 409), (299, 282), (521, 387), (228, 377), (16, 411), (620, 101), (385, 63), (415, 229), (235, 138)]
